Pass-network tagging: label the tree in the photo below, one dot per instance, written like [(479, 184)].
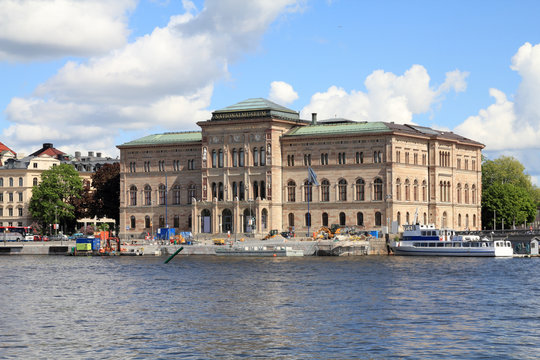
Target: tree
[(511, 204), (508, 191), (52, 199), (106, 184)]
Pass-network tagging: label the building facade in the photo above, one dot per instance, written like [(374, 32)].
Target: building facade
[(246, 171), (18, 175)]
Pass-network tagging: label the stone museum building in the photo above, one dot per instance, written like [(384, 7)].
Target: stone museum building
[(246, 171)]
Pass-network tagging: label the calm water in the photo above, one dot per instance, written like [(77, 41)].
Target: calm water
[(272, 308)]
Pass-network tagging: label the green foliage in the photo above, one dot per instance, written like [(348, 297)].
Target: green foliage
[(52, 198), (510, 202), (106, 196), (507, 190)]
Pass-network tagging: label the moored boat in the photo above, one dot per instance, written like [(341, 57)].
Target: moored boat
[(426, 240)]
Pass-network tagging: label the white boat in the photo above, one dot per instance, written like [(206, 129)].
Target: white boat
[(426, 240), (258, 251)]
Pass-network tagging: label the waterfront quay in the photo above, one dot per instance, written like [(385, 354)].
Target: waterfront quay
[(204, 246)]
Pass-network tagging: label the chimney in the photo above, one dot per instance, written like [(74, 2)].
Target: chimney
[(313, 118), (98, 155), (91, 153), (47, 145)]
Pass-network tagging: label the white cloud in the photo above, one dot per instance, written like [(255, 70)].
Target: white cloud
[(388, 97), (282, 93), (510, 125), (32, 29), (162, 80)]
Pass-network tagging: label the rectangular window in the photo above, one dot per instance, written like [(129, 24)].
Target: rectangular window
[(10, 197), (20, 211), (20, 196)]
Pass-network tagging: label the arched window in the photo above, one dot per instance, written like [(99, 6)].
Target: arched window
[(444, 220), (162, 195), (325, 190), (147, 195), (474, 220), (220, 158), (241, 158), (424, 191), (398, 218), (176, 221), (467, 221), (214, 158), (466, 193), (407, 218), (458, 193), (407, 190), (241, 191), (473, 194), (415, 190), (308, 219), (147, 223), (263, 156), (360, 190), (192, 193), (342, 219), (378, 217), (161, 221), (459, 220), (398, 189), (35, 181), (425, 219), (234, 190), (20, 181), (262, 191), (133, 222), (176, 194), (234, 158), (132, 195), (214, 190), (264, 219), (255, 189), (377, 189), (342, 190), (220, 191), (291, 191), (325, 219), (308, 191), (291, 219), (359, 219), (10, 181), (255, 157)]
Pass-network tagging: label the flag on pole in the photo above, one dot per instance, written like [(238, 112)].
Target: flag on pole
[(312, 177)]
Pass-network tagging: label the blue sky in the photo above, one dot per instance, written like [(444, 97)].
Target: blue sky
[(89, 75)]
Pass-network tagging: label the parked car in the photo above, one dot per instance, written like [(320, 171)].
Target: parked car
[(58, 237), (44, 238)]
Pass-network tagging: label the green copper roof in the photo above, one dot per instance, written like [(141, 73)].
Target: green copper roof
[(167, 138), (334, 129), (256, 107)]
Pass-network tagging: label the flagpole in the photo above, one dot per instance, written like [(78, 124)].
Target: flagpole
[(309, 198)]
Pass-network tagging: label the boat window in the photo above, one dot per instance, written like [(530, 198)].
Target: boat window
[(415, 244), (440, 244), (466, 244), (431, 244), (423, 244), (448, 245), (423, 233), (484, 245), (456, 244)]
